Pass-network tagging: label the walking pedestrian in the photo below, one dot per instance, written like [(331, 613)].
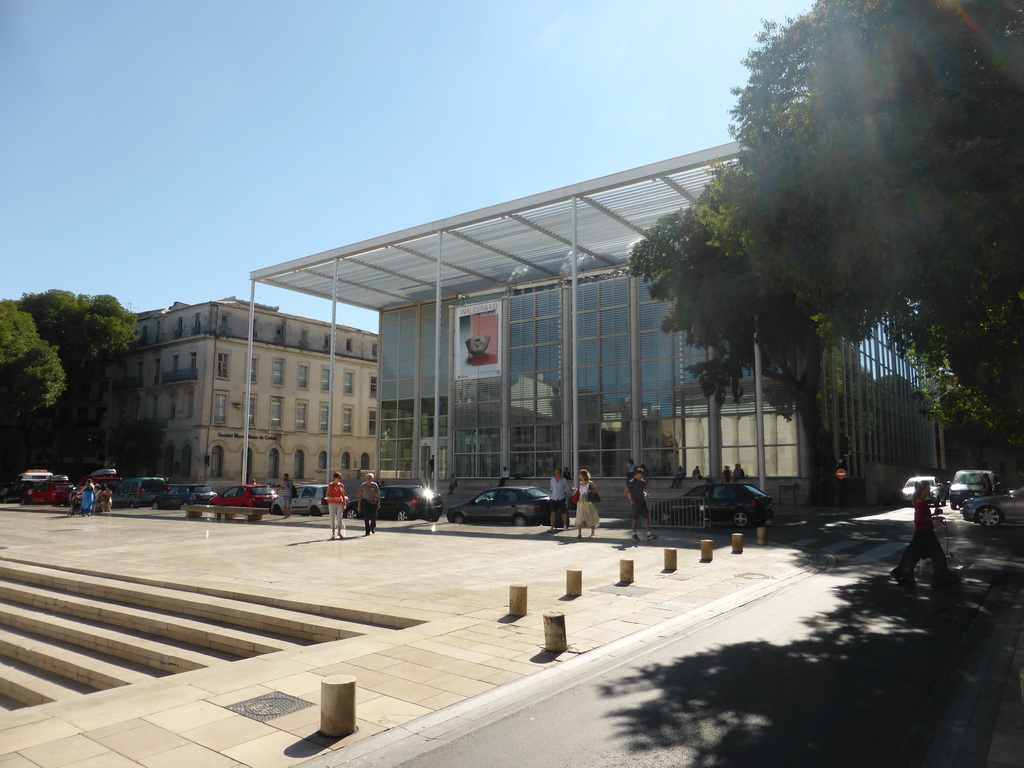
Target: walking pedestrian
[(636, 492), (924, 544), (504, 477), (287, 494), (453, 483), (560, 490), (88, 497), (336, 500), (369, 503), (586, 499), (678, 478), (630, 469)]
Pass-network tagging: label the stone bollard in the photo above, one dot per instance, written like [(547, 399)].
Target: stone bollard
[(574, 583), (554, 632), (762, 535), (517, 600), (670, 560), (625, 571), (338, 705), (737, 543), (707, 550)]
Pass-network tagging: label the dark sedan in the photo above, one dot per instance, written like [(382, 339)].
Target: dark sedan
[(403, 502), (177, 495), (519, 505), (737, 504)]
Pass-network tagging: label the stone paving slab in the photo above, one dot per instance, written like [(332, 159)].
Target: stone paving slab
[(447, 584)]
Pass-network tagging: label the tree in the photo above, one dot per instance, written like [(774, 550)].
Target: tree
[(136, 446), (723, 299), (31, 377), (882, 143)]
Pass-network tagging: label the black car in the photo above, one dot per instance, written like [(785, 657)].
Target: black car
[(737, 504), (176, 495), (403, 502), (519, 505)]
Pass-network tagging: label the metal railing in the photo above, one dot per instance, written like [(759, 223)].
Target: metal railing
[(682, 512)]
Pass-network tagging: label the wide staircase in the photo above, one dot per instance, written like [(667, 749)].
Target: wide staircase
[(64, 633)]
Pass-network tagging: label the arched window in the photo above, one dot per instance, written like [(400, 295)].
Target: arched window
[(217, 462), (186, 461), (364, 461), (274, 463), (346, 461), (300, 464), (168, 460), (321, 461)]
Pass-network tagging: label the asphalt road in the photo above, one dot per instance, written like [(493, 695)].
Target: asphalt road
[(842, 668)]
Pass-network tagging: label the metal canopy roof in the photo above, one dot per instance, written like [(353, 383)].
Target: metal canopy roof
[(505, 245)]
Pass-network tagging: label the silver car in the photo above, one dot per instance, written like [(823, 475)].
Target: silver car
[(995, 510), (308, 500)]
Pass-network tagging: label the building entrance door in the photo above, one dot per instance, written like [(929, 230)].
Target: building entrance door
[(433, 468)]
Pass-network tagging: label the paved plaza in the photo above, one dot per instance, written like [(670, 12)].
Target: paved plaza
[(428, 602)]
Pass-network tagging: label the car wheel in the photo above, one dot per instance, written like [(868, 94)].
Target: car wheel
[(990, 517), (402, 514), (953, 504), (740, 519), (351, 514), (131, 505), (458, 518), (518, 519), (316, 511), (155, 505)]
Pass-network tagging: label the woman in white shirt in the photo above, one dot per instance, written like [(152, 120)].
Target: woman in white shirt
[(586, 510)]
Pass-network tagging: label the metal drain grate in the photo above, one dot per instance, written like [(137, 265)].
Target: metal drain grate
[(627, 590), (269, 705), (753, 576)]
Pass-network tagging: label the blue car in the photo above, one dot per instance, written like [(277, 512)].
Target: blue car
[(177, 495)]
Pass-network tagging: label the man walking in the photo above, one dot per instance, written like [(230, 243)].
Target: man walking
[(560, 489), (287, 494), (369, 503), (636, 492)]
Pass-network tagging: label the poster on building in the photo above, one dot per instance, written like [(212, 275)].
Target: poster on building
[(478, 349)]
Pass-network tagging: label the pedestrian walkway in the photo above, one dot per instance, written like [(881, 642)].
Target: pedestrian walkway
[(439, 593)]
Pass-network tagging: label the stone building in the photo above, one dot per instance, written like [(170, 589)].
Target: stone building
[(187, 377)]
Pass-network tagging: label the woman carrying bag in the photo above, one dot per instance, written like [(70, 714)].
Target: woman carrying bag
[(586, 499)]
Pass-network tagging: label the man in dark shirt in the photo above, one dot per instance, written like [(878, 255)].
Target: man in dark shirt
[(636, 492)]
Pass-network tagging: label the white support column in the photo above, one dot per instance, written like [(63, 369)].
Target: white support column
[(330, 371), (330, 404), (435, 480), (248, 383), (575, 466)]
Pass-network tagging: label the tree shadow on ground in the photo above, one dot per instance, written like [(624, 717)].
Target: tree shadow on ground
[(843, 692)]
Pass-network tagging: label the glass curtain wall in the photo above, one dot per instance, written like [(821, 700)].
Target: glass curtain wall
[(535, 382)]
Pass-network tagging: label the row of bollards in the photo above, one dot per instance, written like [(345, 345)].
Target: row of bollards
[(338, 692)]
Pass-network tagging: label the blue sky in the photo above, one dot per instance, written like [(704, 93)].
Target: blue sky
[(160, 150)]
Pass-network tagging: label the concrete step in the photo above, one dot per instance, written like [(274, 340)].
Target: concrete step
[(236, 642), (131, 646), (95, 669), (29, 686), (206, 607)]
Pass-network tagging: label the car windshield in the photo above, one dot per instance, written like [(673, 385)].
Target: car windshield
[(262, 490), (535, 493), (756, 491), (971, 478), (63, 487)]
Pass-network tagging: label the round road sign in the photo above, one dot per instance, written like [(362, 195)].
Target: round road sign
[(840, 474)]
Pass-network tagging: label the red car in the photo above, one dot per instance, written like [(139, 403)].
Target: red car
[(54, 492), (246, 496)]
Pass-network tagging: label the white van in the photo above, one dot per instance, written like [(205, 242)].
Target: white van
[(35, 476)]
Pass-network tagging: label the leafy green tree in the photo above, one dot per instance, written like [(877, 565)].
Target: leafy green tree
[(31, 377), (885, 162), (136, 446)]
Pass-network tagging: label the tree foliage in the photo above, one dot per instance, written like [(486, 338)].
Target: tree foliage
[(31, 377), (135, 446), (883, 146), (84, 329)]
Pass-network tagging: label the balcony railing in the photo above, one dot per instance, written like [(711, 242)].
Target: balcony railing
[(129, 382), (182, 374)]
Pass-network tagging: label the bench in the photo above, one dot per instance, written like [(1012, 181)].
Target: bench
[(199, 511)]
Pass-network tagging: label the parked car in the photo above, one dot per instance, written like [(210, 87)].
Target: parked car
[(246, 496), (19, 491), (968, 483), (403, 502), (53, 492), (991, 511), (737, 504), (936, 496), (308, 500), (519, 505), (135, 492), (189, 493)]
